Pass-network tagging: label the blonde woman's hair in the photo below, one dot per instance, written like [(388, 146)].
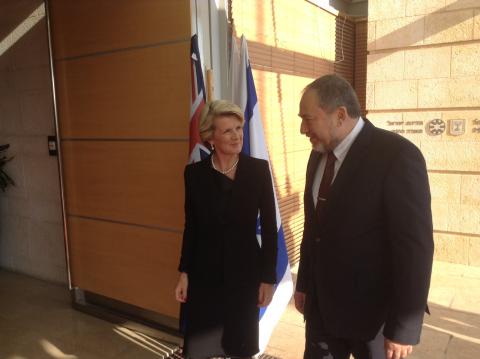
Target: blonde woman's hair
[(214, 109)]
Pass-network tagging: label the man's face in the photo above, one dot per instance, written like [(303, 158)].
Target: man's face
[(317, 125)]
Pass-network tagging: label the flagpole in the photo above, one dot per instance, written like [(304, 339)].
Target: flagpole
[(210, 86)]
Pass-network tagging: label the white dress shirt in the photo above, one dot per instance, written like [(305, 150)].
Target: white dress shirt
[(340, 153)]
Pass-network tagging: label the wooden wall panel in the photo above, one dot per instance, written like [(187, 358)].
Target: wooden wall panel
[(122, 76), (131, 264), (127, 181), (90, 26), (130, 94)]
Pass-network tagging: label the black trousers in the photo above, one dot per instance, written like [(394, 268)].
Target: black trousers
[(319, 344)]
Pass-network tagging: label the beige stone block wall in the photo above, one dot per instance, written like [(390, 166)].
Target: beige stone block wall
[(474, 251), (463, 4), (370, 95), (440, 216), (440, 44), (464, 219), (476, 24), (381, 9), (385, 67), (470, 190), (399, 32), (396, 94), (422, 7), (445, 188), (466, 60), (452, 248), (448, 93), (451, 26), (371, 36), (427, 63)]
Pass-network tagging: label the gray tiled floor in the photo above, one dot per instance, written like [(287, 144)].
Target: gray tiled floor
[(37, 322)]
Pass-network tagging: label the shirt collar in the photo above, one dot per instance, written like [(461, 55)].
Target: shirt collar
[(342, 148)]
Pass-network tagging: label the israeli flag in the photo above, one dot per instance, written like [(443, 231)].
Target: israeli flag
[(244, 95)]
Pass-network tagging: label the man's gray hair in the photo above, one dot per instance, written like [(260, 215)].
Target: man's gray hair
[(333, 91)]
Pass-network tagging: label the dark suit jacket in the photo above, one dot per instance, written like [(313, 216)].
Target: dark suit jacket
[(220, 244), (370, 258)]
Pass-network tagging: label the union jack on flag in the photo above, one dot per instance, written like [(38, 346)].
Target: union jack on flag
[(197, 150)]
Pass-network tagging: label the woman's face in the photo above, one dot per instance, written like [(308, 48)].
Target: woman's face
[(227, 136)]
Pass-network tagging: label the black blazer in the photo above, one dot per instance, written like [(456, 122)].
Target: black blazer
[(370, 258), (221, 246)]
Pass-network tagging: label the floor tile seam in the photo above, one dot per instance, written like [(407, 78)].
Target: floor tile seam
[(445, 353), (292, 324)]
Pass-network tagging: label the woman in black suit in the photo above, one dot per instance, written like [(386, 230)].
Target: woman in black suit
[(225, 274)]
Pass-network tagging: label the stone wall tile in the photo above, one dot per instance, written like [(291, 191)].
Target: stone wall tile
[(37, 113), (9, 112), (396, 94), (370, 96), (381, 9), (476, 24), (474, 251), (446, 27), (422, 7), (446, 93), (401, 32), (451, 248), (440, 215), (435, 153), (470, 189), (460, 4), (385, 67), (466, 60), (445, 187), (464, 218), (40, 178), (371, 36), (427, 63)]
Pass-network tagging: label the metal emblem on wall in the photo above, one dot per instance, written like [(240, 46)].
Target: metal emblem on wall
[(476, 126), (436, 127), (457, 127)]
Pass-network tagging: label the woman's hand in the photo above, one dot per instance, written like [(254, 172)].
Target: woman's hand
[(182, 287), (265, 294), (299, 301)]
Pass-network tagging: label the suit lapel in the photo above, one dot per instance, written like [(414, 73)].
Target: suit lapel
[(350, 165), (312, 166)]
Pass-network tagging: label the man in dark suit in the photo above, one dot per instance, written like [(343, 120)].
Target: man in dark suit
[(367, 247)]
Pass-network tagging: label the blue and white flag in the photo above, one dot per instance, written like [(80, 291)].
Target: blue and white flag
[(243, 94)]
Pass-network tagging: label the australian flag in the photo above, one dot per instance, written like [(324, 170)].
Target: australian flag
[(197, 150)]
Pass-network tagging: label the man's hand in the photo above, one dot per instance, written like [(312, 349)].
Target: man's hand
[(395, 350), (182, 287), (265, 294), (299, 298)]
